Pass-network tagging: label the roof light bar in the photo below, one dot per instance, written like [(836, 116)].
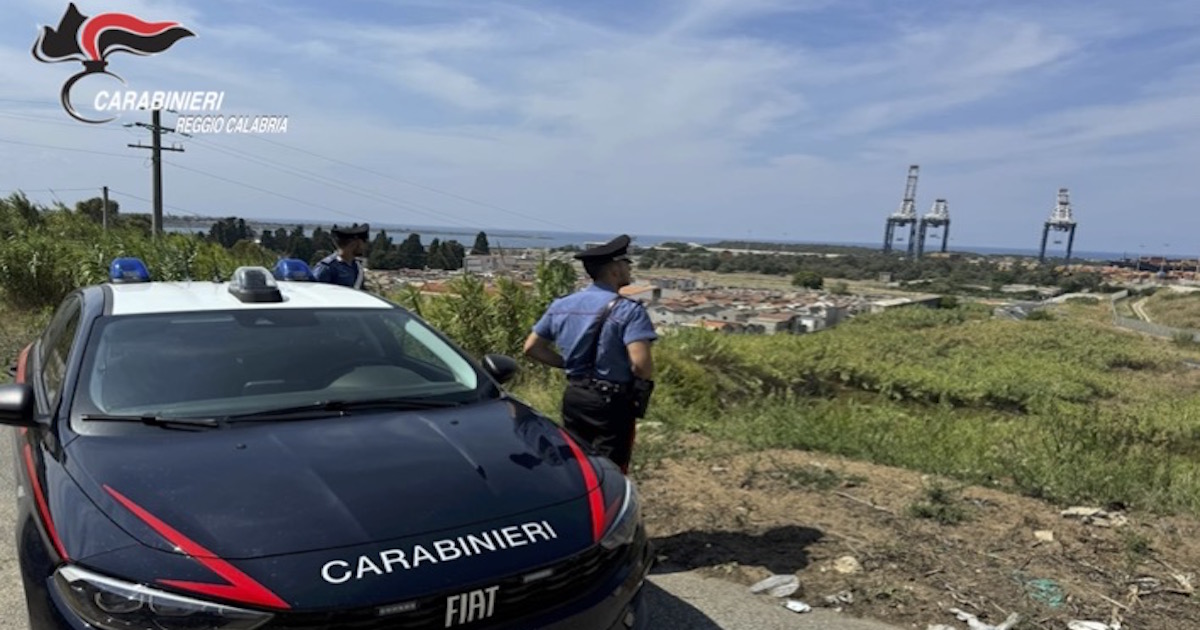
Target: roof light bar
[(254, 284), (293, 269), (128, 269)]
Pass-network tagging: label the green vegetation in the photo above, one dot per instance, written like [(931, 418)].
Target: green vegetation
[(1067, 408), (1174, 309), (933, 274), (47, 252), (942, 504)]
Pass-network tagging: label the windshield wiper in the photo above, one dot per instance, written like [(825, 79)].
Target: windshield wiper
[(328, 408), (154, 420)]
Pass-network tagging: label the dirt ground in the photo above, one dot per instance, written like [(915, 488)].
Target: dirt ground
[(901, 547)]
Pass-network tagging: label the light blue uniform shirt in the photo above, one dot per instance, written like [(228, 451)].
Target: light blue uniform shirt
[(566, 323)]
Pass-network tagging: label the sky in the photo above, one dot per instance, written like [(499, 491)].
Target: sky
[(765, 119)]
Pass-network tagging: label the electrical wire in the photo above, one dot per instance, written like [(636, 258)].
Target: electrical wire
[(410, 183), (311, 176), (267, 191)]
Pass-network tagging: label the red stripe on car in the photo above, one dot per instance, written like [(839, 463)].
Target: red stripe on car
[(22, 359), (22, 363), (40, 498), (593, 485), (240, 587)]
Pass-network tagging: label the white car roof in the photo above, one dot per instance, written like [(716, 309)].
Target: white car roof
[(137, 298)]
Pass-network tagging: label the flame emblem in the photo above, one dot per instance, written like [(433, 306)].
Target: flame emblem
[(90, 40)]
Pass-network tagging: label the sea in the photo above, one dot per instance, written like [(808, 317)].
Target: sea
[(521, 239)]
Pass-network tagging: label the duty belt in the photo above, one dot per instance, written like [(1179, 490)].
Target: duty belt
[(602, 386)]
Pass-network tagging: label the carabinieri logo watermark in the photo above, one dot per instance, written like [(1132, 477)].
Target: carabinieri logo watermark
[(90, 40)]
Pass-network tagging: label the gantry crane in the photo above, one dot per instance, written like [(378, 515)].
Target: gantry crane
[(1061, 220), (905, 215), (938, 217)]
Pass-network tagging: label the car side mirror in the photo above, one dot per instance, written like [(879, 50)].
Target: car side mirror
[(16, 405), (502, 368)]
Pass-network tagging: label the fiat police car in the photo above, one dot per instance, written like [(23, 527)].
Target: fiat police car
[(270, 452)]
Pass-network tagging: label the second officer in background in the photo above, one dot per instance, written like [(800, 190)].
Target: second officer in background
[(342, 267)]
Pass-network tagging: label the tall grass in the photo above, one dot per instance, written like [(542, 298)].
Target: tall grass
[(45, 257)]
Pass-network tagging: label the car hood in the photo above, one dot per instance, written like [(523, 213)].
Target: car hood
[(298, 486)]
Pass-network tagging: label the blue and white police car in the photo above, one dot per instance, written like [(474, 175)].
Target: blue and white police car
[(274, 453)]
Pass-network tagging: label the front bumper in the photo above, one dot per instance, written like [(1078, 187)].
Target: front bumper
[(614, 603)]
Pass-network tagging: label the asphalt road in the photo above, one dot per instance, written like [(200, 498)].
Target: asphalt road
[(678, 601)]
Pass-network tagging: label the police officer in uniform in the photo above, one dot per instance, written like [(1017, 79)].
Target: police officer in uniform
[(341, 267), (604, 340)]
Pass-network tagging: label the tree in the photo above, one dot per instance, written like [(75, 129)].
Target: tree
[(481, 245), (437, 257), (808, 280), (379, 251), (230, 230), (412, 252), (453, 252), (300, 246), (94, 209), (554, 279)]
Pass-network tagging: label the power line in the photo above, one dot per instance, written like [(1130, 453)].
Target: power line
[(309, 175), (410, 183), (47, 146), (49, 121), (269, 192), (176, 208), (33, 190)]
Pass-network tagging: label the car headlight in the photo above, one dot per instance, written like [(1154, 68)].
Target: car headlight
[(113, 604), (626, 518)]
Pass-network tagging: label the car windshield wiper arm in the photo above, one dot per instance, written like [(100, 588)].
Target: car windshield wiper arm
[(328, 408), (154, 419)]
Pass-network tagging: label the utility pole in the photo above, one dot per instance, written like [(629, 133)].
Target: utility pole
[(156, 148), (104, 210)]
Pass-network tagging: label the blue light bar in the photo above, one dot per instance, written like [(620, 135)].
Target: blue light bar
[(128, 270), (293, 269)]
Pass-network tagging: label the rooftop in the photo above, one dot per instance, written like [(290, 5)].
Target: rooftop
[(192, 296)]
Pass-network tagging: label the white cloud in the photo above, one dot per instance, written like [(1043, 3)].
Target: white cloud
[(684, 123)]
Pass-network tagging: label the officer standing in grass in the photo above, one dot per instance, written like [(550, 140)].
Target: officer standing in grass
[(341, 267), (605, 343)]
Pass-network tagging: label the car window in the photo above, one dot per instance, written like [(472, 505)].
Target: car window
[(56, 348), (222, 363), (420, 344)]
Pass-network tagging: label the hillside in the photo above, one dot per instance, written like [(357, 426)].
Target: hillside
[(937, 448)]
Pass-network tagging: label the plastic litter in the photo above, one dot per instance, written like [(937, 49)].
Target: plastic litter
[(1096, 516), (1046, 591), (797, 606), (843, 597), (1091, 625), (974, 623), (777, 585)]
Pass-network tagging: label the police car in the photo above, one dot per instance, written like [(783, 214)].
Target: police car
[(275, 453)]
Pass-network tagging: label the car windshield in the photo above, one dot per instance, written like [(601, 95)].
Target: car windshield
[(244, 362)]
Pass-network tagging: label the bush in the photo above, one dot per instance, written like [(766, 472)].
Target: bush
[(49, 257)]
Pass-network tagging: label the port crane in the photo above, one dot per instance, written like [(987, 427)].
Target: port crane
[(938, 217), (905, 215), (1061, 219)]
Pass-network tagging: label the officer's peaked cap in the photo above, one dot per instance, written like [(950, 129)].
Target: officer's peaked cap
[(606, 252), (353, 231)]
